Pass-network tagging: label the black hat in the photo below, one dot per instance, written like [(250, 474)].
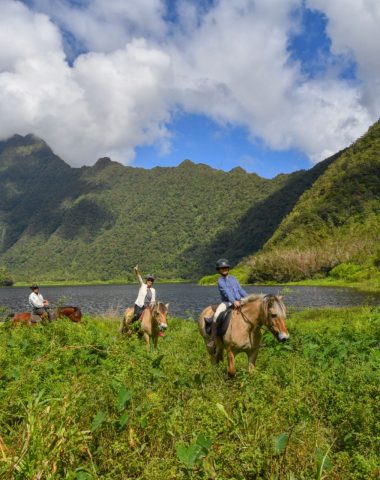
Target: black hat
[(34, 286), (222, 262)]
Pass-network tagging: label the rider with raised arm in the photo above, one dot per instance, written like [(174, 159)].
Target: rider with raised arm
[(40, 306), (231, 293), (146, 295)]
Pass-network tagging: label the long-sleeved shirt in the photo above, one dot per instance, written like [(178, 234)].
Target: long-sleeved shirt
[(143, 297), (36, 300), (230, 289)]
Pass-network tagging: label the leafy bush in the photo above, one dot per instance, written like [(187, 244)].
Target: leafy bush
[(6, 279), (345, 271)]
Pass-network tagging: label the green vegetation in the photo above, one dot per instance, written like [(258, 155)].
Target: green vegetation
[(335, 223), (95, 223), (82, 402), (6, 279)]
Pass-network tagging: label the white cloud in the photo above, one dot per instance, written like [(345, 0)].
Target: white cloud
[(230, 63), (104, 103), (353, 26)]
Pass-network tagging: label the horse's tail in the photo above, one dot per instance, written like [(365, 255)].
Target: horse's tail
[(7, 318)]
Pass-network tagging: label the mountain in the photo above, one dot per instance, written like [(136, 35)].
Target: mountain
[(95, 223), (335, 225)]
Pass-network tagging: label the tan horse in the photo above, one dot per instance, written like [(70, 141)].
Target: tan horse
[(244, 330), (152, 322)]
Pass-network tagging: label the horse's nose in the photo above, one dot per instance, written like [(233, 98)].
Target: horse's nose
[(282, 337), (163, 326)]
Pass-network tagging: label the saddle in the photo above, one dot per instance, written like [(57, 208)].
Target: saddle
[(222, 321)]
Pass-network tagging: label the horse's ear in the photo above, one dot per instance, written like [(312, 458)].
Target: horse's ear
[(167, 306), (280, 297)]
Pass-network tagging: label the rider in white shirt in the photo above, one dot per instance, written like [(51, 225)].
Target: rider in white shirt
[(39, 305), (146, 295)]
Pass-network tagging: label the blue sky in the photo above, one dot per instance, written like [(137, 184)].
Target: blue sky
[(271, 87)]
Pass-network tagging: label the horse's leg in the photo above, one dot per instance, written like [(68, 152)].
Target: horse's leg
[(218, 354), (126, 321), (252, 355), (231, 370), (147, 341)]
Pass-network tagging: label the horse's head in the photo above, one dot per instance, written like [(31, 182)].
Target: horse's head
[(274, 316), (159, 314), (73, 313)]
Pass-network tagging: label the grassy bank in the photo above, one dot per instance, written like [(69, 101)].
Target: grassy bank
[(366, 281), (80, 402)]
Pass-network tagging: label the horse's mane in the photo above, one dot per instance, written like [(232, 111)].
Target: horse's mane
[(161, 307), (268, 301), (252, 298)]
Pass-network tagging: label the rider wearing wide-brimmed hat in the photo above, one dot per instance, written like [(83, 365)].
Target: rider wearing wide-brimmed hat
[(231, 293), (39, 305), (146, 295)]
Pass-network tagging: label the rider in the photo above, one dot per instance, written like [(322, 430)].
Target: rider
[(146, 295), (231, 293), (39, 305)]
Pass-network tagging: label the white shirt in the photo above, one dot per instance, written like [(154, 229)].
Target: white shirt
[(36, 300), (142, 293)]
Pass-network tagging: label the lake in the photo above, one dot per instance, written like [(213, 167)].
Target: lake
[(186, 300)]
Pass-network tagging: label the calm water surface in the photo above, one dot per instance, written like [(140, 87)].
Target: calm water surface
[(186, 300)]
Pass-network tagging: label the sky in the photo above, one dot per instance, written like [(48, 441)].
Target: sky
[(271, 86)]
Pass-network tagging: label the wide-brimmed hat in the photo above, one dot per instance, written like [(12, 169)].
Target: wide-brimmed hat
[(150, 277), (34, 286)]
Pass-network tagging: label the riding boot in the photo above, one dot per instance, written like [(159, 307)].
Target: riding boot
[(211, 344)]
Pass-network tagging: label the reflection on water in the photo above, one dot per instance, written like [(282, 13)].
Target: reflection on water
[(186, 300)]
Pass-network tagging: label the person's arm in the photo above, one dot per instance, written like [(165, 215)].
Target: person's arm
[(242, 292), (138, 275)]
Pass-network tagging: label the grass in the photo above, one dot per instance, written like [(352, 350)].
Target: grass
[(82, 402)]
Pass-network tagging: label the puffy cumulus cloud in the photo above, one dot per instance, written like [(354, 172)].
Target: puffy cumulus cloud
[(229, 62), (237, 69), (103, 103), (106, 25), (353, 27)]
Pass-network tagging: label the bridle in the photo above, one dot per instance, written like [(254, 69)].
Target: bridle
[(268, 317), (155, 316)]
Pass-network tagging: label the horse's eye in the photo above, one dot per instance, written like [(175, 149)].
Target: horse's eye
[(273, 315)]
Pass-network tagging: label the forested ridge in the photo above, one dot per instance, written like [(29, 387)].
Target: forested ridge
[(95, 223), (60, 223), (334, 228)]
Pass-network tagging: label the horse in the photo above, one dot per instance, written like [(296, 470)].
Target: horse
[(152, 322), (243, 333), (28, 318)]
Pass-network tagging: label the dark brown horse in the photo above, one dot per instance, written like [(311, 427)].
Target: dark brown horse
[(28, 318), (244, 330)]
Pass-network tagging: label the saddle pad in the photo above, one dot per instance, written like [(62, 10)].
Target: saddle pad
[(222, 323)]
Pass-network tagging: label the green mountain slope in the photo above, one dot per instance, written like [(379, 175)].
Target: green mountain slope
[(335, 225), (95, 223)]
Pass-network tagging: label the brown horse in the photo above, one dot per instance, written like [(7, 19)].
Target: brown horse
[(152, 322), (28, 318), (244, 330)]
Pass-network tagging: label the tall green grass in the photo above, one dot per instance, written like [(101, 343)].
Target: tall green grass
[(82, 402)]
